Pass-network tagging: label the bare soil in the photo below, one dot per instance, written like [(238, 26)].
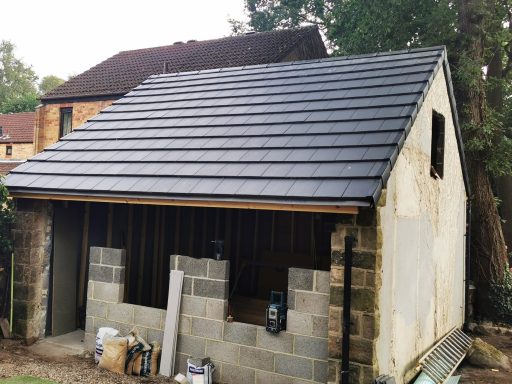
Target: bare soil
[(474, 375), (16, 360)]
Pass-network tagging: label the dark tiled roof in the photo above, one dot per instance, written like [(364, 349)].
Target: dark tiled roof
[(311, 132), (17, 127), (120, 73)]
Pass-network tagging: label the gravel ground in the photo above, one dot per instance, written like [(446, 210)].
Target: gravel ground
[(16, 360)]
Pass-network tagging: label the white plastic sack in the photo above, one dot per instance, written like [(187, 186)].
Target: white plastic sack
[(102, 332), (200, 375)]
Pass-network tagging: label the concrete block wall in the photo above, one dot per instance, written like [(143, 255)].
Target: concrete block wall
[(105, 294), (32, 246), (245, 352), (364, 312)]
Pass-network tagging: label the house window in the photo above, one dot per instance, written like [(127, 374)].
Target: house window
[(66, 119), (437, 148), (8, 150)]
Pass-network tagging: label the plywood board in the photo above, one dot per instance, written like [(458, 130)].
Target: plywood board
[(171, 323)]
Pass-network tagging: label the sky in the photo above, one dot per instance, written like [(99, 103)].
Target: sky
[(66, 37)]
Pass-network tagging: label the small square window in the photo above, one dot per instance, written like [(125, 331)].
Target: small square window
[(8, 150), (437, 148)]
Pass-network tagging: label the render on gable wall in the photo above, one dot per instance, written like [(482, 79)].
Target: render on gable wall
[(422, 226)]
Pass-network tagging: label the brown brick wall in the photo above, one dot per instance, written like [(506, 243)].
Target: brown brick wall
[(20, 151), (48, 119)]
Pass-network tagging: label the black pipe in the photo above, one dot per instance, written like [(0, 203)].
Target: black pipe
[(347, 290), (468, 310)]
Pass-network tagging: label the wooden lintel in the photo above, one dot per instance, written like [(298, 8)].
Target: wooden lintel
[(197, 203)]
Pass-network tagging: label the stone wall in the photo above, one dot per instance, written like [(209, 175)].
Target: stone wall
[(32, 245), (105, 294), (48, 119), (245, 352), (364, 313), (20, 151)]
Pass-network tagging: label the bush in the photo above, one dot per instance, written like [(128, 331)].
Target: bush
[(501, 296)]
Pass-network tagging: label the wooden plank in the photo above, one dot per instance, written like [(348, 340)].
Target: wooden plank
[(171, 323), (110, 219), (177, 231), (292, 232), (156, 246), (192, 233), (326, 207), (204, 240), (129, 243), (254, 287), (142, 252), (161, 255), (83, 256)]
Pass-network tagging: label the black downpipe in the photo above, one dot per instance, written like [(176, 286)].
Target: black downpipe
[(469, 311), (347, 290)]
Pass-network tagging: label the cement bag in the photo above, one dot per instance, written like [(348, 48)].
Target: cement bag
[(136, 345), (200, 370), (114, 353), (102, 332), (146, 363)]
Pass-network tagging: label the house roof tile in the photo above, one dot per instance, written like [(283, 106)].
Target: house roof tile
[(125, 70), (17, 127)]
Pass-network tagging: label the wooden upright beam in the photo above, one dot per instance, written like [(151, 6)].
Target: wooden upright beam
[(83, 256), (142, 251)]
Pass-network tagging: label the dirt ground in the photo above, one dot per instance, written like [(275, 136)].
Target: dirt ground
[(17, 360), (473, 375)]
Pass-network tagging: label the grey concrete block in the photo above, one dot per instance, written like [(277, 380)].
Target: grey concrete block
[(96, 308), (280, 342), (172, 262), (320, 326), (119, 312), (291, 299), (218, 269), (222, 351), (211, 329), (121, 327), (215, 289), (236, 374), (320, 371), (119, 273), (101, 273), (240, 333), (186, 289), (294, 366), (257, 358), (90, 289), (90, 342), (89, 324), (312, 347), (314, 303), (299, 278), (108, 292), (185, 324), (114, 257), (155, 335), (180, 363), (95, 255), (216, 309), (263, 377), (147, 317), (191, 345), (193, 306), (322, 281), (192, 267), (301, 323)]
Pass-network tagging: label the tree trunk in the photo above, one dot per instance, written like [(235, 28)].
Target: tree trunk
[(488, 250), (504, 192)]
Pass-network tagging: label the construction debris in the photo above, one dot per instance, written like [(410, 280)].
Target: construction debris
[(484, 355)]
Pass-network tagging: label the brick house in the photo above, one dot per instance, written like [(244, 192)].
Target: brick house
[(71, 104), (16, 139), (281, 162)]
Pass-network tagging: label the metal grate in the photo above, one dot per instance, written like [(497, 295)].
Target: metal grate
[(441, 361)]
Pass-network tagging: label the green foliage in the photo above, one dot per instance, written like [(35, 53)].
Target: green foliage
[(17, 81), (23, 103), (6, 220), (501, 296), (49, 83)]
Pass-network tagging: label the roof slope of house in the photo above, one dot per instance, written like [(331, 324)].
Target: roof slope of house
[(125, 70), (17, 127), (324, 132)]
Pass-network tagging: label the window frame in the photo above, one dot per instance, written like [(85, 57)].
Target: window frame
[(63, 112), (437, 147), (8, 150)]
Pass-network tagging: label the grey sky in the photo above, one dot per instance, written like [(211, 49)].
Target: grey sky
[(64, 37)]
